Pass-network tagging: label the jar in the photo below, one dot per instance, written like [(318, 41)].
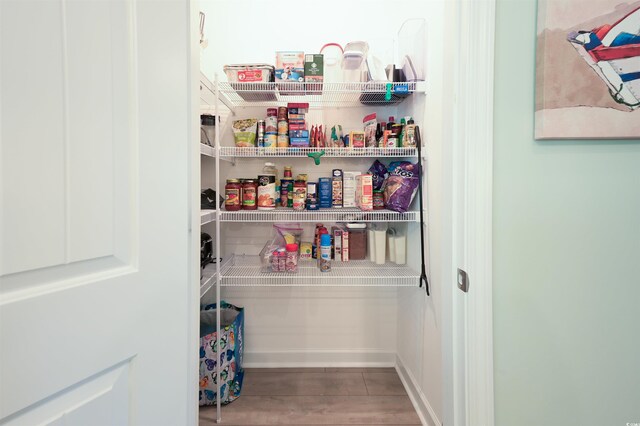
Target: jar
[(287, 172), (291, 263), (249, 194), (357, 241), (378, 199), (299, 195), (282, 259), (267, 187), (232, 197)]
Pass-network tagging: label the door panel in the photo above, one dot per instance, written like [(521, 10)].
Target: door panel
[(94, 272)]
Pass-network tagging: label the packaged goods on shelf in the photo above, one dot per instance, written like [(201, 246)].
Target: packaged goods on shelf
[(244, 132), (325, 191), (336, 188), (313, 70), (356, 140), (357, 241), (369, 123), (249, 73), (364, 191), (401, 185), (289, 66), (379, 172), (349, 187)]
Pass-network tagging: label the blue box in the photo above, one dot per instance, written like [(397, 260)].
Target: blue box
[(299, 134), (325, 192)]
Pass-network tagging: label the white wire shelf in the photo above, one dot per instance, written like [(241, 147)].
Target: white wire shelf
[(317, 95), (232, 151), (208, 278), (244, 271), (207, 216), (327, 215), (207, 150)]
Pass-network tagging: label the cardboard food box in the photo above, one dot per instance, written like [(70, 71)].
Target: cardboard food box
[(313, 73), (364, 191), (290, 66)]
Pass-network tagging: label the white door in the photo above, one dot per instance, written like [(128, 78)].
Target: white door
[(94, 262)]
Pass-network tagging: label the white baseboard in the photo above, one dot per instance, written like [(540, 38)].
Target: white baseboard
[(420, 403), (319, 358)]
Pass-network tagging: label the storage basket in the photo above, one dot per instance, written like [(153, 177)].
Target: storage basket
[(230, 357)]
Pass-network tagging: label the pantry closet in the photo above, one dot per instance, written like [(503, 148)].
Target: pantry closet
[(360, 314)]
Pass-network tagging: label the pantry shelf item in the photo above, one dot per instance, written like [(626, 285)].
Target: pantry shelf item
[(207, 216), (238, 95), (245, 271), (232, 151), (328, 215)]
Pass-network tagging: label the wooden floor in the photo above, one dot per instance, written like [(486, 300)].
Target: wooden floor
[(318, 396)]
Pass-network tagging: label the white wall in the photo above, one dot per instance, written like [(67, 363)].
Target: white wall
[(356, 320), (566, 246)]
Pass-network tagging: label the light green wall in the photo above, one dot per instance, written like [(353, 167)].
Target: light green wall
[(566, 257)]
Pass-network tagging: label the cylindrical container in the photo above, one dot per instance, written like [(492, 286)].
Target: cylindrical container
[(261, 133), (291, 263), (267, 187), (286, 186), (283, 127), (287, 172), (371, 245), (270, 140), (283, 141), (302, 176), (275, 261), (282, 113), (271, 122), (325, 253), (249, 194), (378, 199), (391, 244), (299, 195), (357, 241), (232, 198), (207, 129), (282, 259)]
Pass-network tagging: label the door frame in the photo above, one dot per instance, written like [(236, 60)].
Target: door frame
[(468, 384)]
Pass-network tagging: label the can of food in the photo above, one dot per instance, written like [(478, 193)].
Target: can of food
[(270, 140), (283, 127), (378, 199), (282, 113), (286, 186), (299, 195), (266, 192), (283, 141), (271, 124)]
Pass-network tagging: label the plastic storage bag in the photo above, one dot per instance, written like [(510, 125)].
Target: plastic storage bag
[(231, 352)]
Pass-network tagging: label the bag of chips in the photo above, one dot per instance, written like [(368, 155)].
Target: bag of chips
[(379, 173), (401, 185)]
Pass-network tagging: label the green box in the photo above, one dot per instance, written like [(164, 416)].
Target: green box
[(314, 67)]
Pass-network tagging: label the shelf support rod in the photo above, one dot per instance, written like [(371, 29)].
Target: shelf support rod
[(217, 253)]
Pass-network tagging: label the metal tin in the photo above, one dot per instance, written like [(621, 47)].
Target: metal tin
[(283, 141), (283, 127), (270, 140)]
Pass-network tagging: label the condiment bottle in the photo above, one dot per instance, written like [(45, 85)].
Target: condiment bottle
[(232, 199), (299, 195), (249, 194), (325, 253), (291, 263)]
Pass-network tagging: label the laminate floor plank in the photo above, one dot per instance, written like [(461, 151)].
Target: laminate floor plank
[(303, 384), (380, 384), (285, 370), (361, 370), (315, 410)]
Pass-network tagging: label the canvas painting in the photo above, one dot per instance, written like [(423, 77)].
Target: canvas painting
[(588, 69)]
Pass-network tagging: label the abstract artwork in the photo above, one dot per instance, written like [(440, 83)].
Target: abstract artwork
[(588, 69)]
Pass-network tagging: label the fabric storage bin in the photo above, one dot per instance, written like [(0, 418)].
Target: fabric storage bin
[(230, 357)]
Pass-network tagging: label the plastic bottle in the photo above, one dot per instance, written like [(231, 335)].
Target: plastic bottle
[(291, 264), (267, 187), (325, 253)]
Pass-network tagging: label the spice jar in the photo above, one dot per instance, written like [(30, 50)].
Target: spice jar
[(378, 199), (249, 194), (291, 263), (299, 195), (232, 198)]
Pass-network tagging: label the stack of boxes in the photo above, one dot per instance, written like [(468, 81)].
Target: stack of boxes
[(298, 133)]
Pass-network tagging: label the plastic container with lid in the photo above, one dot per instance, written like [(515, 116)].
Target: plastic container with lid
[(232, 197), (291, 263), (357, 241)]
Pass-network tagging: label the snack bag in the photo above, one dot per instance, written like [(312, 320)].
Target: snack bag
[(379, 172), (401, 186)]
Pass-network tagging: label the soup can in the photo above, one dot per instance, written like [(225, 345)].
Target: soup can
[(271, 124), (283, 141), (283, 127), (270, 140)]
